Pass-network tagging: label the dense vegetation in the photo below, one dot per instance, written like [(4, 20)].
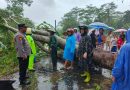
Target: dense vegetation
[(12, 15), (106, 13)]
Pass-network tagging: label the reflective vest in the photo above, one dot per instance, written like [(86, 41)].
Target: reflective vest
[(31, 43)]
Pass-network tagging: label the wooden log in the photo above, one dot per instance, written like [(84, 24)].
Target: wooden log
[(103, 58), (41, 38), (44, 33), (40, 45), (14, 30), (61, 41)]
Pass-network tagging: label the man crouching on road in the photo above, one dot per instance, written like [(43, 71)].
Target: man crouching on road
[(23, 51)]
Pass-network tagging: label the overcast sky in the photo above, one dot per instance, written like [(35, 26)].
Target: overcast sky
[(49, 10)]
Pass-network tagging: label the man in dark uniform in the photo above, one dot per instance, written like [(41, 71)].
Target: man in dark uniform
[(53, 49), (85, 52), (23, 51)]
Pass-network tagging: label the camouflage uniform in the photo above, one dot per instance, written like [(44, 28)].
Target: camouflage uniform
[(85, 45), (23, 49)]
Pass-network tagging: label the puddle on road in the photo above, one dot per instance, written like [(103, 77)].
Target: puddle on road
[(45, 79)]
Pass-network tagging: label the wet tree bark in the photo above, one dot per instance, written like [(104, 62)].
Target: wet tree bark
[(40, 45), (104, 59)]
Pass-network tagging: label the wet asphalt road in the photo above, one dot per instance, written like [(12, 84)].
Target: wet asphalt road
[(45, 79)]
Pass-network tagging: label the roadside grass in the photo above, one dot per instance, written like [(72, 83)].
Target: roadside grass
[(8, 63)]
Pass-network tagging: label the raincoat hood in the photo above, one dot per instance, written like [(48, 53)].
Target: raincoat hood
[(128, 36)]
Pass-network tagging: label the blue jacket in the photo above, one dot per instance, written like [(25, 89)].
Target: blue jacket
[(69, 49), (121, 69), (99, 39)]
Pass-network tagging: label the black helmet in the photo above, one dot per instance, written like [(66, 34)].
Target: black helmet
[(21, 26), (83, 27)]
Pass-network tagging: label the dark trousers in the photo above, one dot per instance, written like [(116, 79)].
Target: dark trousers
[(86, 65), (23, 65), (54, 57)]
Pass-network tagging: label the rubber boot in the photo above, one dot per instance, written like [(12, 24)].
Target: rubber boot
[(87, 78)]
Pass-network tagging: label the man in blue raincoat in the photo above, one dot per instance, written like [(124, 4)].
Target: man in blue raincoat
[(121, 69), (69, 49)]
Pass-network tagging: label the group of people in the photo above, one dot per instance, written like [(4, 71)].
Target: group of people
[(110, 42), (26, 52), (84, 51), (114, 41), (116, 44)]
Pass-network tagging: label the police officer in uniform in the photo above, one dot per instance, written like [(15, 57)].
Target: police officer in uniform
[(23, 51)]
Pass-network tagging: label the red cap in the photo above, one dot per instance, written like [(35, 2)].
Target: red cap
[(70, 30)]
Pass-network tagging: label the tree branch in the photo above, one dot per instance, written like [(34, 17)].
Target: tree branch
[(14, 20), (5, 21)]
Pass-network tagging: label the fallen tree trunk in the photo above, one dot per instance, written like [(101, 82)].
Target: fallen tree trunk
[(41, 47), (14, 30), (41, 38), (44, 33), (61, 42), (103, 58)]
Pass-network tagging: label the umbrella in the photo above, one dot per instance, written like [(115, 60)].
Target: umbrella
[(98, 25), (111, 28), (120, 30)]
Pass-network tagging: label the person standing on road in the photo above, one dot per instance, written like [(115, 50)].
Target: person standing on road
[(121, 69), (77, 35), (53, 49), (33, 48), (108, 40), (69, 49), (23, 51), (101, 38), (85, 53), (93, 38)]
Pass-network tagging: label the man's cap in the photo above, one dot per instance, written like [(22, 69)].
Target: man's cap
[(75, 28), (22, 26), (70, 30), (83, 27)]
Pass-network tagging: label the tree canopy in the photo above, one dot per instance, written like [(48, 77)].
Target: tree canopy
[(106, 13)]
